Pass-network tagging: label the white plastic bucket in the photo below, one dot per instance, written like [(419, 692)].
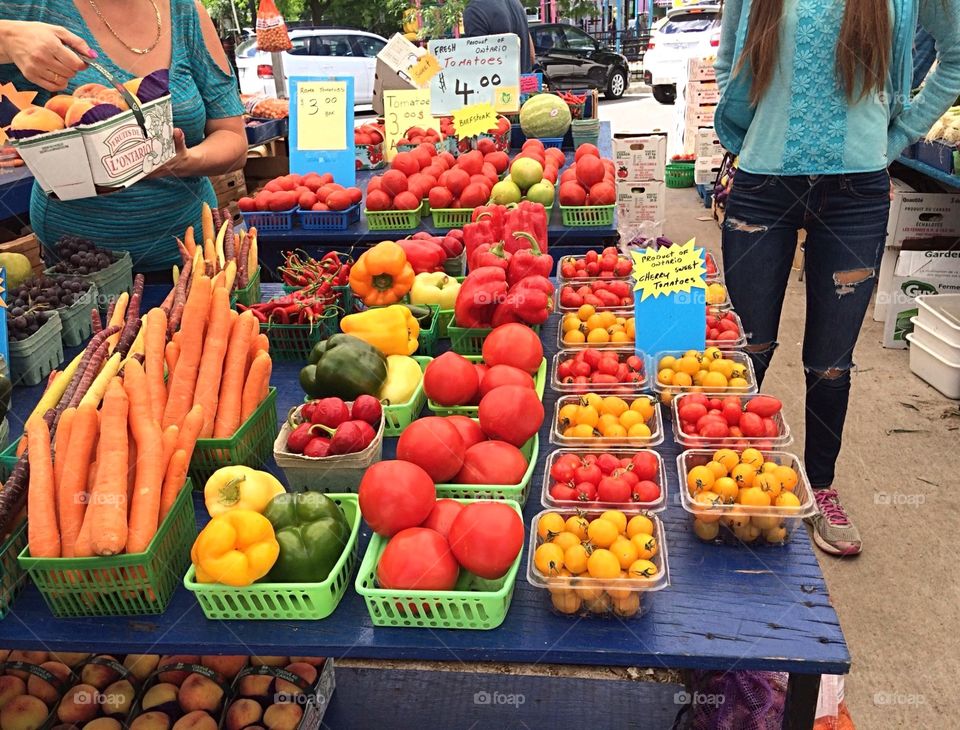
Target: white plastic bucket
[(932, 341), (939, 314), (942, 374)]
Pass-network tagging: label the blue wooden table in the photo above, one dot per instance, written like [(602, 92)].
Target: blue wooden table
[(727, 608), (16, 184)]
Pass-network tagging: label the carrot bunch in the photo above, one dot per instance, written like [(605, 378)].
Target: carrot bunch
[(223, 251)]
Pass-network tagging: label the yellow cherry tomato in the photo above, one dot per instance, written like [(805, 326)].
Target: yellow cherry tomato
[(631, 332), (665, 376), (587, 415), (607, 319), (549, 525), (585, 312), (707, 501), (592, 399), (602, 533), (617, 517), (565, 539), (568, 413), (577, 525), (646, 546), (595, 321), (737, 383), (571, 322), (598, 336), (639, 430), (566, 602), (603, 563), (743, 475), (726, 488), (682, 380), (614, 431), (644, 406), (712, 353), (581, 431), (688, 365), (642, 569), (548, 558), (630, 418), (714, 380), (718, 469), (787, 477), (574, 337), (728, 457), (619, 337), (667, 361), (625, 552), (613, 405), (700, 478), (575, 558), (639, 525), (607, 419), (753, 457)]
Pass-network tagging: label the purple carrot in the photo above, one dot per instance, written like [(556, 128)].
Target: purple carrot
[(167, 304), (88, 352), (179, 298), (132, 323), (110, 308), (91, 371), (13, 496), (217, 221), (184, 254), (95, 321), (229, 250), (243, 273)]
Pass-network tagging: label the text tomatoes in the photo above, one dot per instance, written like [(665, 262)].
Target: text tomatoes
[(395, 495), (417, 559), (486, 538)]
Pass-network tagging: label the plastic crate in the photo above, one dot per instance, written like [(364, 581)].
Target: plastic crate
[(587, 216), (398, 417), (284, 601), (249, 446), (515, 492), (679, 174), (250, 294), (469, 340), (120, 585), (32, 359), (269, 221), (328, 220), (4, 443), (392, 220), (433, 609), (293, 342), (347, 302), (539, 383), (447, 218), (12, 576), (76, 325), (8, 457)]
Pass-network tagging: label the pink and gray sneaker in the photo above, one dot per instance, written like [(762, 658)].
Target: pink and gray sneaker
[(833, 532)]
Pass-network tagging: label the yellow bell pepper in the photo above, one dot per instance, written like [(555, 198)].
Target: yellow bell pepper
[(435, 287), (239, 487), (393, 330), (403, 377), (235, 549)]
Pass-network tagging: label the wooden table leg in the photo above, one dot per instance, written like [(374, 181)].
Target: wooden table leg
[(801, 703)]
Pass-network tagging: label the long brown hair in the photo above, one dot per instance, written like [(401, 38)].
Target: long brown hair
[(863, 48)]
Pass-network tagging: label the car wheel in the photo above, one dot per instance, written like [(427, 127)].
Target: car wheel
[(616, 85), (665, 93)]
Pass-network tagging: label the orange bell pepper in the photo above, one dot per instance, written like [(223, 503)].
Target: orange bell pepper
[(382, 275)]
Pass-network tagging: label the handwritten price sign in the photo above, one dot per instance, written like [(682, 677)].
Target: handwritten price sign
[(402, 109), (485, 69), (321, 123), (474, 119)]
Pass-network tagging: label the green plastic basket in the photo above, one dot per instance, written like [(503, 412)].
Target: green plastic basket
[(392, 220), (347, 301), (120, 585), (76, 325), (539, 383), (293, 342), (447, 218), (516, 492), (456, 266), (8, 457), (445, 319), (250, 294), (284, 601), (251, 445), (679, 175), (12, 576), (432, 609), (587, 216), (397, 417), (469, 340), (32, 359), (429, 337)]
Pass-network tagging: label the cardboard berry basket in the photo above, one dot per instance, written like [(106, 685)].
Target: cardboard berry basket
[(307, 701)]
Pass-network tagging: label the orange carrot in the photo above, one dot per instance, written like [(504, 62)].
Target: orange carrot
[(173, 481), (60, 440), (260, 342), (169, 441), (189, 241), (234, 374), (84, 545), (131, 468), (155, 340), (171, 353), (108, 530), (211, 363), (145, 507), (73, 487), (180, 395), (258, 381), (190, 430), (42, 530)]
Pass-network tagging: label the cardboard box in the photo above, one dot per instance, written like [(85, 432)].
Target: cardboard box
[(700, 116), (705, 170), (916, 273), (262, 169), (921, 215), (640, 201), (888, 263), (702, 93), (706, 144), (701, 69), (29, 246), (229, 187), (640, 156), (393, 61)]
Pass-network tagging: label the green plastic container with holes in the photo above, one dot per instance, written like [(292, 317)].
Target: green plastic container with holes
[(469, 341), (516, 492), (250, 294), (433, 609), (12, 577), (32, 359), (392, 220), (345, 297), (539, 384), (251, 445), (397, 417), (447, 218), (587, 216), (135, 584), (293, 342), (427, 341), (8, 457), (284, 601), (679, 174), (76, 325)]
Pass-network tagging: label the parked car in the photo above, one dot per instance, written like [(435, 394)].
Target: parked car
[(315, 52), (571, 58), (689, 32)]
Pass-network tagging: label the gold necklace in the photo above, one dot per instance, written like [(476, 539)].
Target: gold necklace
[(138, 51)]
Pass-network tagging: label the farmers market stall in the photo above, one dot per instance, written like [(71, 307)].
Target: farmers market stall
[(727, 608)]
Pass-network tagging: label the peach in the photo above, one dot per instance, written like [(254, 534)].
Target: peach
[(196, 720), (159, 695), (99, 675), (11, 687), (77, 110), (36, 117), (70, 658), (112, 96), (176, 676), (133, 85), (4, 653), (200, 693), (79, 704), (305, 671), (255, 685), (118, 698), (60, 104), (140, 665), (88, 90), (269, 661), (23, 713), (103, 723), (151, 721), (42, 689), (226, 666), (242, 713), (282, 716)]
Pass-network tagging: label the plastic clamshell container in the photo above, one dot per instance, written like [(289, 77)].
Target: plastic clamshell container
[(741, 340), (942, 374), (629, 591), (515, 492), (433, 609), (718, 276), (668, 391), (576, 283), (561, 345), (940, 315), (768, 525), (539, 384), (655, 424), (284, 601), (602, 388), (550, 503), (694, 441)]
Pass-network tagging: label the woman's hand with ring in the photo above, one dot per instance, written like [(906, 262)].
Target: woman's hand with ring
[(44, 53)]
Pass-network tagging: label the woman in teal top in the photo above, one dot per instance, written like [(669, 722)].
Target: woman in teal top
[(815, 100), (132, 38)]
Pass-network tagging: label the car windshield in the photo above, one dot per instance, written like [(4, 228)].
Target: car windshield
[(690, 23), (247, 48)]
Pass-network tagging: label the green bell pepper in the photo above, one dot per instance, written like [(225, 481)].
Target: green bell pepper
[(343, 366), (312, 533)]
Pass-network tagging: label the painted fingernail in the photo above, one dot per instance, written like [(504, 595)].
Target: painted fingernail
[(92, 53)]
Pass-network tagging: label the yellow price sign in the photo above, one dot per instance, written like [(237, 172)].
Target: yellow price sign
[(474, 119), (403, 109), (322, 115), (669, 270), (425, 69)]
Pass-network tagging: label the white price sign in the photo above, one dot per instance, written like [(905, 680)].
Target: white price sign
[(485, 69)]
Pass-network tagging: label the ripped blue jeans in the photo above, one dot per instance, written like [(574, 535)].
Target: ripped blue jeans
[(845, 217)]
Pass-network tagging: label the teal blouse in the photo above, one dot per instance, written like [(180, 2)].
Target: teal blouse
[(146, 217)]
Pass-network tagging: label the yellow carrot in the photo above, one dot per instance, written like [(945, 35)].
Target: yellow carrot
[(218, 247), (176, 274), (252, 262), (99, 386), (118, 318), (206, 222), (230, 274), (51, 396), (189, 242), (210, 254)]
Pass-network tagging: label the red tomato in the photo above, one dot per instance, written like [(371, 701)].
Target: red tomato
[(451, 380), (764, 406), (586, 492), (770, 428), (608, 463), (444, 512), (563, 492), (612, 489), (751, 425), (731, 411), (418, 559), (563, 468), (434, 444), (395, 495), (714, 429), (645, 465), (691, 411), (492, 462), (504, 375), (513, 344), (511, 413), (486, 538), (588, 473), (646, 491), (470, 430)]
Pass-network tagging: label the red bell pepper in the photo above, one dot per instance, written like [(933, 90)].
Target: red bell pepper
[(491, 254), (424, 254), (529, 262), (492, 214), (529, 301), (529, 218), (475, 234), (480, 294)]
